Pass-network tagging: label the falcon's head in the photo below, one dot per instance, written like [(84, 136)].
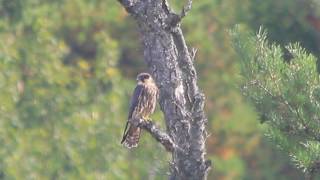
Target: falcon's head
[(144, 78)]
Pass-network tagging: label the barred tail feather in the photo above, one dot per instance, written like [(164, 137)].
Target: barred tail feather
[(132, 137)]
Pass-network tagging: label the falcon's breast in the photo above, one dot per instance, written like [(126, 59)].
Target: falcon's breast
[(147, 101)]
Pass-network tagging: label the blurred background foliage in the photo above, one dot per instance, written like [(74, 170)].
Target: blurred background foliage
[(67, 71)]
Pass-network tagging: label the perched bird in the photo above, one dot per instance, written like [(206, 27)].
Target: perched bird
[(143, 103)]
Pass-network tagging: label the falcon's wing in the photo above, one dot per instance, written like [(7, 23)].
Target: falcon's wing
[(135, 99), (133, 104)]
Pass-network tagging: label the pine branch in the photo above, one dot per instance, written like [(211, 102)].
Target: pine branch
[(281, 92)]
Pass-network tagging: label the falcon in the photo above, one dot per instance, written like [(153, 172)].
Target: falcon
[(143, 103)]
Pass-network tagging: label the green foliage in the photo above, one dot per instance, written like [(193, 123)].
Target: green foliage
[(284, 92), (63, 99), (67, 71), (287, 21), (232, 122)]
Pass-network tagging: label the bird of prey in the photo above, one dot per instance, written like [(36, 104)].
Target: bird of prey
[(143, 103)]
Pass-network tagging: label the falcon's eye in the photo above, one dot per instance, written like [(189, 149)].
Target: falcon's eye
[(146, 77)]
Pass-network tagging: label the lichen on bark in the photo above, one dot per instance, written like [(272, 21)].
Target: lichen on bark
[(171, 64)]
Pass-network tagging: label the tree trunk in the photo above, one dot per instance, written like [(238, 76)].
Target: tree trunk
[(171, 64)]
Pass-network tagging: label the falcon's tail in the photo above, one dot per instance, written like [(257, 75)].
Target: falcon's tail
[(131, 137)]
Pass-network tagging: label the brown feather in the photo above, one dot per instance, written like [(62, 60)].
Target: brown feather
[(132, 137), (143, 104)]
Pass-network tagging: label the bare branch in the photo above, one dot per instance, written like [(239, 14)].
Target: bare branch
[(182, 102), (156, 133), (186, 9), (193, 53), (166, 7), (175, 19), (159, 135)]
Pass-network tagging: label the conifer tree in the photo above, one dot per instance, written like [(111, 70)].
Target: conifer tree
[(283, 85)]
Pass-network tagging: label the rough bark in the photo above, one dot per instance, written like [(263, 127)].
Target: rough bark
[(156, 133), (171, 64)]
